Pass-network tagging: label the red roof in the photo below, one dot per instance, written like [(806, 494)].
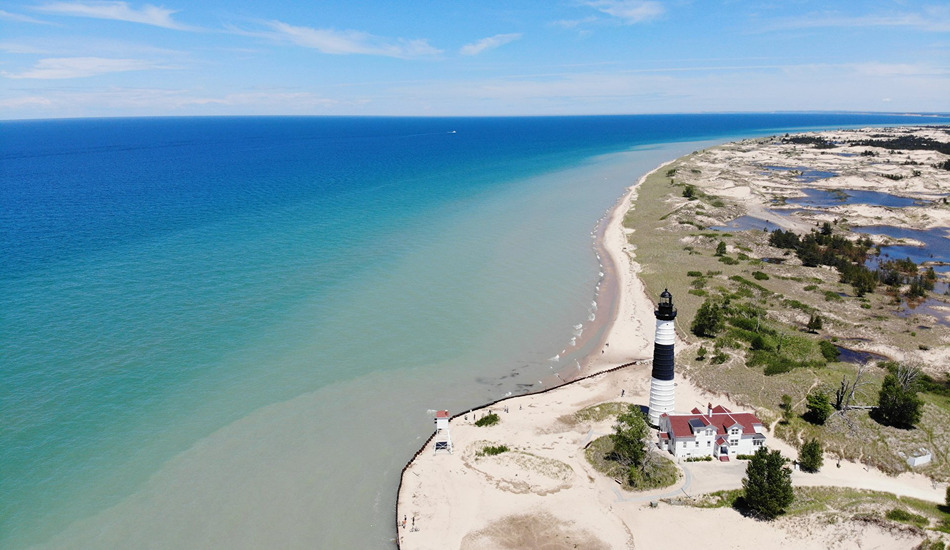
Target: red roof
[(722, 418), (442, 414)]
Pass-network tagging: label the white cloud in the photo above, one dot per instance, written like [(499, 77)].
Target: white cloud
[(629, 11), (336, 42), (573, 23), (86, 46), (887, 70), (5, 15), (489, 43), (126, 101), (933, 19), (118, 11), (80, 67), (25, 101)]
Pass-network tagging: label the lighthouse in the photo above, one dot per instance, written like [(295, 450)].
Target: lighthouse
[(662, 388)]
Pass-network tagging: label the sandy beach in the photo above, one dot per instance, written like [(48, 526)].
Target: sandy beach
[(543, 493)]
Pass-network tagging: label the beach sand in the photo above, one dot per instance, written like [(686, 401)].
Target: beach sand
[(543, 493)]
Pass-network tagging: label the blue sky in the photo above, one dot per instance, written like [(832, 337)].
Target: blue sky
[(459, 57)]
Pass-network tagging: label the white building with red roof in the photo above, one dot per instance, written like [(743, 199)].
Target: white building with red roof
[(718, 433)]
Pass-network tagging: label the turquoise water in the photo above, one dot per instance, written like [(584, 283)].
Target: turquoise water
[(228, 332)]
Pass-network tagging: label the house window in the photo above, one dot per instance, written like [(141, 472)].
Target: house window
[(697, 443), (757, 443), (733, 442), (709, 443)]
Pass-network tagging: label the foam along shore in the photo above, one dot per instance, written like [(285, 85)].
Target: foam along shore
[(543, 492)]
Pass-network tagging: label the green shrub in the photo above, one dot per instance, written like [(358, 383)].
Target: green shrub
[(795, 304), (898, 404), (746, 282), (829, 351), (728, 261), (810, 456), (831, 296), (760, 276), (488, 420), (709, 319), (694, 273), (778, 367), (811, 287), (493, 450), (760, 342), (819, 407), (903, 516)]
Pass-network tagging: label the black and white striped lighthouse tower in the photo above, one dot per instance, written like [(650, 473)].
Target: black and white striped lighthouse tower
[(662, 387)]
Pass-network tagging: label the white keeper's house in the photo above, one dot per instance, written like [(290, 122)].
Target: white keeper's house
[(719, 433)]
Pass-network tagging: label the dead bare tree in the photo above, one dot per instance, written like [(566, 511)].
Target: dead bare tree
[(907, 375), (844, 395)]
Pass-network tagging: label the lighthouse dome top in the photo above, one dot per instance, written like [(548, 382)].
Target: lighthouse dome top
[(665, 310)]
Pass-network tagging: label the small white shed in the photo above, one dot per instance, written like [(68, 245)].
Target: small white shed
[(919, 458)]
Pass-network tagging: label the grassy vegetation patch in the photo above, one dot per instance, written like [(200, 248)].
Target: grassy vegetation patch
[(492, 450), (842, 501), (903, 516), (801, 306), (488, 420), (743, 281), (660, 471), (601, 412)]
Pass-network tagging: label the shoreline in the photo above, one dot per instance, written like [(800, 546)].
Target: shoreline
[(630, 345), (629, 340), (536, 493)]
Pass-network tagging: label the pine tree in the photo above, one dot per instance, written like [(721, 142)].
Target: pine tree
[(898, 404), (819, 407), (721, 248), (709, 319), (768, 484), (810, 456)]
